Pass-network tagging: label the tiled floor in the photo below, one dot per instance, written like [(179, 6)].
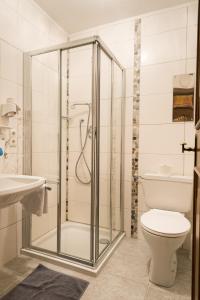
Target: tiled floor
[(125, 277)]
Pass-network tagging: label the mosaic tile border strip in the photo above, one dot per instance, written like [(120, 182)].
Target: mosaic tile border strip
[(67, 139), (135, 136)]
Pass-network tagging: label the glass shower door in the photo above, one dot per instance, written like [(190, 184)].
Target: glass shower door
[(45, 144), (105, 152), (73, 139), (110, 144), (76, 157), (116, 164)]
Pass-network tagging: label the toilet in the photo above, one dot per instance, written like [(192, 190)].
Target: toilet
[(164, 226)]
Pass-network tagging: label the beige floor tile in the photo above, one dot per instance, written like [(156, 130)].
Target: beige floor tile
[(156, 293), (131, 261), (22, 265), (110, 287), (124, 277), (7, 280), (180, 290)]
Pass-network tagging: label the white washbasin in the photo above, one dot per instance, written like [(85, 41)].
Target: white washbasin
[(14, 187)]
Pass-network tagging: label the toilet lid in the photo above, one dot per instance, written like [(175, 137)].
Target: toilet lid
[(165, 223)]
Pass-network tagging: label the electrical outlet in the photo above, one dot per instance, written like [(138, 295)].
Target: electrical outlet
[(13, 138)]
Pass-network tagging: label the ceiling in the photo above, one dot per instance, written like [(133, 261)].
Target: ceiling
[(77, 15)]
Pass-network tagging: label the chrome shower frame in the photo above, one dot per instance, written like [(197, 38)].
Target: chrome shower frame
[(96, 258)]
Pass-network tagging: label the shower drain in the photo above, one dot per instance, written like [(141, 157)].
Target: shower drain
[(104, 241)]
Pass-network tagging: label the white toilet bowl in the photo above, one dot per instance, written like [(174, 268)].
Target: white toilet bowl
[(164, 231)]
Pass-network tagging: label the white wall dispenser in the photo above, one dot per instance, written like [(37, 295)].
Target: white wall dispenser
[(7, 110)]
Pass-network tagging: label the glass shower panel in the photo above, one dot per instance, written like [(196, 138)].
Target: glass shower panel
[(45, 146), (105, 152), (75, 231), (116, 149)]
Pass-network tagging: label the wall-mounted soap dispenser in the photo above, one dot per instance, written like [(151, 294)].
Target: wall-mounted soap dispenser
[(8, 110)]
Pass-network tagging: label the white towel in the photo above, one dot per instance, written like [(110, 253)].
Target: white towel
[(36, 202)]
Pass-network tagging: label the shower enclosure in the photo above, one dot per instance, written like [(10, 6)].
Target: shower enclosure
[(73, 136)]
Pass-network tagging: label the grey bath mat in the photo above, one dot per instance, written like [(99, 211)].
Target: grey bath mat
[(46, 284)]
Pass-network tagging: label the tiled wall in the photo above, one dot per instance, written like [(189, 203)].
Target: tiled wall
[(23, 27), (168, 48), (168, 45)]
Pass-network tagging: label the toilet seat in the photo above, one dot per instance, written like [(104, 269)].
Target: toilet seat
[(165, 223)]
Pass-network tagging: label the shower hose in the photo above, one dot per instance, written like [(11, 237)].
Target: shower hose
[(82, 154)]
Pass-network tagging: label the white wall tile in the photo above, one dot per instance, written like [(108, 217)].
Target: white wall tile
[(128, 111), (30, 38), (152, 162), (192, 41), (81, 215), (56, 34), (40, 164), (189, 134), (165, 20), (8, 89), (105, 139), (40, 226), (8, 237), (124, 52), (193, 13), (105, 164), (117, 32), (80, 61), (127, 194), (9, 30), (83, 34), (156, 108), (164, 47), (76, 189), (84, 91), (162, 139), (128, 139), (141, 195), (105, 112), (128, 167), (14, 4), (11, 63), (191, 65), (52, 195), (158, 79), (129, 82), (127, 222), (32, 13), (188, 164)]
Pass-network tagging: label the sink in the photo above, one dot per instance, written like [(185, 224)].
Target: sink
[(14, 187)]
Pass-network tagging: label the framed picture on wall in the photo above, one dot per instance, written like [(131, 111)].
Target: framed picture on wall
[(183, 97)]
